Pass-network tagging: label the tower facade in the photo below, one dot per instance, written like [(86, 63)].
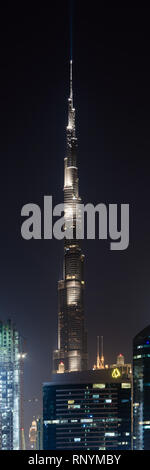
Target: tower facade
[(10, 387), (141, 390), (71, 354), (33, 434), (88, 410)]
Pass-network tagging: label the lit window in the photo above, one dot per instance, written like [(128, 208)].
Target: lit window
[(125, 385), (98, 385), (73, 407), (86, 420)]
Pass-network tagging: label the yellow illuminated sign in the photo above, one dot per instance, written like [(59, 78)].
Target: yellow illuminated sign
[(116, 373)]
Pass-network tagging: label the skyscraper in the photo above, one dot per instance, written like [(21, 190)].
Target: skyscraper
[(71, 354), (82, 409), (122, 366), (39, 436), (33, 433), (10, 387), (141, 390), (87, 410)]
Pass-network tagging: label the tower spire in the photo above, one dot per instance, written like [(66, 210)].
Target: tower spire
[(100, 357), (71, 110), (71, 92)]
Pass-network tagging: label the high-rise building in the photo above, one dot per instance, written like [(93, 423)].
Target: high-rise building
[(36, 434), (33, 434), (87, 410), (141, 390), (39, 435), (81, 409), (122, 366), (71, 354), (10, 387)]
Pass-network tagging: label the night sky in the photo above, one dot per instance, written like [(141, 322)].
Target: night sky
[(111, 81)]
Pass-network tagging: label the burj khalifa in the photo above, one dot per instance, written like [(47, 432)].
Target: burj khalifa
[(71, 352)]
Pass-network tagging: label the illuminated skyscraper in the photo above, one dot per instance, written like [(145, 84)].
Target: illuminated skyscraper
[(33, 434), (39, 435), (122, 366), (71, 354), (88, 410), (10, 387), (141, 390), (82, 409)]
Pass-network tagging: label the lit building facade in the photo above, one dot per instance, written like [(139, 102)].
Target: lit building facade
[(141, 390), (87, 410), (39, 434), (36, 434), (10, 387), (71, 354), (125, 369), (33, 434)]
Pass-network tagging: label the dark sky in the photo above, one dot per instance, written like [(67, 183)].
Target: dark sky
[(111, 48)]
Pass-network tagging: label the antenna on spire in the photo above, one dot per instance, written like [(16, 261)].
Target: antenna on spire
[(71, 109), (71, 33), (71, 94), (71, 27)]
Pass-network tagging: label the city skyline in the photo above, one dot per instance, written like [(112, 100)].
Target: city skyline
[(112, 101)]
